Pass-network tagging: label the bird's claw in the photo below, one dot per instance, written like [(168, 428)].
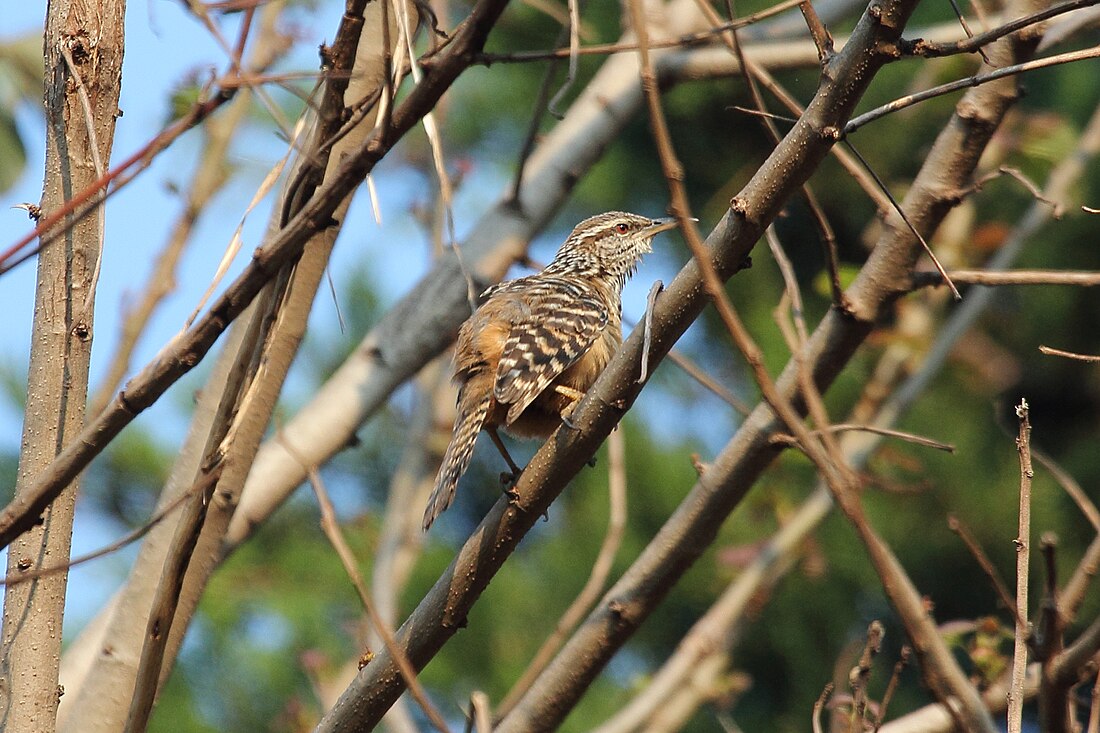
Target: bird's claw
[(567, 416)]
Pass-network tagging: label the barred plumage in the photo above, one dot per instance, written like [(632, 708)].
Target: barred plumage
[(537, 343)]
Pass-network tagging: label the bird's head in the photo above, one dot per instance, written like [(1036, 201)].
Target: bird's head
[(609, 245)]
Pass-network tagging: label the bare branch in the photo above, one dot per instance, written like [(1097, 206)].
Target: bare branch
[(969, 82), (1009, 277), (892, 686), (1070, 486), (1023, 555), (597, 578), (611, 48), (83, 48), (165, 600), (987, 567), (818, 32), (901, 213), (1050, 351), (819, 706), (331, 527), (885, 432), (127, 539), (973, 43)]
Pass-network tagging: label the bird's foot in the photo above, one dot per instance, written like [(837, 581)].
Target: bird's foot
[(567, 416)]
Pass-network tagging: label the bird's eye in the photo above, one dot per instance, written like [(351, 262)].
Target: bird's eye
[(622, 228)]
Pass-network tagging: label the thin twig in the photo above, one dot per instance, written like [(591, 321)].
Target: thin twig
[(650, 302), (818, 32), (542, 99), (861, 675), (766, 115), (574, 48), (819, 706), (331, 527), (892, 686), (127, 539), (1050, 351), (790, 287), (110, 183), (971, 81), (1023, 554), (597, 578), (1070, 486), (994, 278), (967, 31), (1094, 707), (929, 49), (1057, 209), (695, 372), (956, 526), (905, 218), (199, 10), (866, 428), (609, 48)]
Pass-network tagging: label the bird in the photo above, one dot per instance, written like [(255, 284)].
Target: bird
[(536, 344)]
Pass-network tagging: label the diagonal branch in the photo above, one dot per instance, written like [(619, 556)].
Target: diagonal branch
[(444, 608), (694, 525)]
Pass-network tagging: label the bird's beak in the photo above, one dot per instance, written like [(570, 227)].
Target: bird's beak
[(663, 225)]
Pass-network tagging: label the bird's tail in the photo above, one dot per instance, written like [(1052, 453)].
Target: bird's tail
[(471, 417)]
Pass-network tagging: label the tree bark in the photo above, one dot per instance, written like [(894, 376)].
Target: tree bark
[(83, 48)]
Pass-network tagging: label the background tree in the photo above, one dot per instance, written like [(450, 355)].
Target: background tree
[(839, 358)]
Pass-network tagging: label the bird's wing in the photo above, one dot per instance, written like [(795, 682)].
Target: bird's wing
[(558, 329)]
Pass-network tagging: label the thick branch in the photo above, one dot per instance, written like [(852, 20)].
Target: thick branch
[(84, 48)]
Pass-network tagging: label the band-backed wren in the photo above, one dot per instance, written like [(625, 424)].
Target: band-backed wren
[(537, 343)]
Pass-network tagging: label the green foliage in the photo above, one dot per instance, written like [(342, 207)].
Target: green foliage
[(20, 83)]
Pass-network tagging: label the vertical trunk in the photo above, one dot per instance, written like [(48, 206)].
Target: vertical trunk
[(83, 50)]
